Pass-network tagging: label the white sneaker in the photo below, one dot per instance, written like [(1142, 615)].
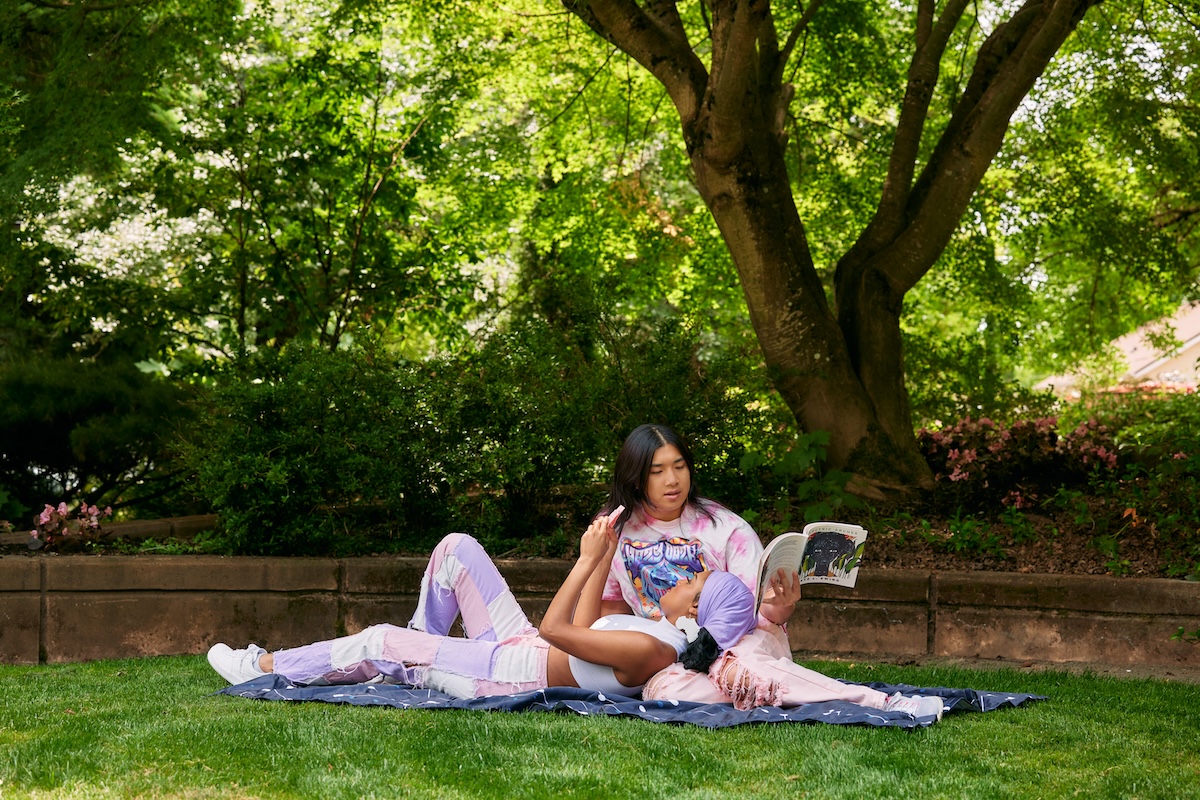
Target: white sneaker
[(917, 705), (236, 666)]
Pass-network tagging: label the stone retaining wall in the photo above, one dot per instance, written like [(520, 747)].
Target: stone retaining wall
[(59, 608)]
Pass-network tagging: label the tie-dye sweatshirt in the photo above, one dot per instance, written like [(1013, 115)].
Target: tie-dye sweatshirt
[(653, 555)]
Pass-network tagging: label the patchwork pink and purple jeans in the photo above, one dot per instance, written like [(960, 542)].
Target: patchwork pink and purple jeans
[(502, 653)]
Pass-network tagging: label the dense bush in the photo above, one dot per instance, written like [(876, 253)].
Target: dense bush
[(1158, 438), (299, 449), (1149, 424), (307, 451), (1127, 469), (981, 464), (79, 431)]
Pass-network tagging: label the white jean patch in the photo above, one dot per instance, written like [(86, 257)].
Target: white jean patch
[(517, 664), (366, 645), (458, 686), (508, 619)]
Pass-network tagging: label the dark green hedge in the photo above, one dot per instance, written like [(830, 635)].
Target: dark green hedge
[(311, 452)]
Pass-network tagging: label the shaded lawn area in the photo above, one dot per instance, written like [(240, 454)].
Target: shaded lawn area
[(151, 727)]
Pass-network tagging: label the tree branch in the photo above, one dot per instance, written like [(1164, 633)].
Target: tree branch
[(736, 30), (914, 112), (665, 14), (889, 218), (734, 87), (925, 9), (1008, 64), (663, 51), (797, 30)]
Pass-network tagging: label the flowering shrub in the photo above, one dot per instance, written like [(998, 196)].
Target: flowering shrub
[(980, 463), (54, 524)]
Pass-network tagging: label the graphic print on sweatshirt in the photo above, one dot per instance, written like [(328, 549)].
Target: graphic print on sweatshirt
[(654, 567)]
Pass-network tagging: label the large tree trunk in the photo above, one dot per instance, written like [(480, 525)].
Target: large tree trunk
[(750, 197), (842, 374)]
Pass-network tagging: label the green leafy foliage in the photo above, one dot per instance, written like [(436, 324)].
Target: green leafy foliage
[(85, 432), (785, 476), (305, 451), (299, 449)]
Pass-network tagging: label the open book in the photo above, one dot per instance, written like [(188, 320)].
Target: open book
[(826, 552)]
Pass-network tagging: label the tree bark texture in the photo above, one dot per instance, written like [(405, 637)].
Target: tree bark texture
[(839, 370)]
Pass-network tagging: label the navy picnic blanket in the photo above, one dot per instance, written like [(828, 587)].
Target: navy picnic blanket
[(580, 701)]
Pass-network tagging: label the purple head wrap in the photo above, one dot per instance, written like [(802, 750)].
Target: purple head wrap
[(726, 608)]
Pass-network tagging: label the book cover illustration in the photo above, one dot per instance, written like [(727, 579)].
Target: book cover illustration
[(825, 552)]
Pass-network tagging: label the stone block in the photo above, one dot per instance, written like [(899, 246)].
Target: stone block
[(384, 575), (1064, 636), (534, 575), (359, 611), (86, 626), (535, 608), (880, 585), (20, 623), (20, 575), (190, 573), (177, 527), (874, 628), (1069, 592)]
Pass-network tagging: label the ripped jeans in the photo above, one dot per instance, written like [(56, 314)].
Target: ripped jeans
[(502, 653)]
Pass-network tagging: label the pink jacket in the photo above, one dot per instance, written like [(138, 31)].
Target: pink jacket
[(757, 671)]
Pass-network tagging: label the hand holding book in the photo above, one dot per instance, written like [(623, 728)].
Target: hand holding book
[(780, 588), (825, 552)]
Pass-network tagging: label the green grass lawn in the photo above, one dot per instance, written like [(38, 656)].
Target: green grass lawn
[(152, 728)]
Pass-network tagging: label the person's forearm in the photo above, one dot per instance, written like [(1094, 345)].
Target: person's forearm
[(588, 608), (779, 614)]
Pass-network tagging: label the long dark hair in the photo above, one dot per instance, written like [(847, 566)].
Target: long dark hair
[(632, 470)]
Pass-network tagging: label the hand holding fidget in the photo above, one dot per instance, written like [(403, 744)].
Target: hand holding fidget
[(600, 536)]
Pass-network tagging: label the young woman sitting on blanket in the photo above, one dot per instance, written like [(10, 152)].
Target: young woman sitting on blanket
[(503, 653), (668, 533)]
